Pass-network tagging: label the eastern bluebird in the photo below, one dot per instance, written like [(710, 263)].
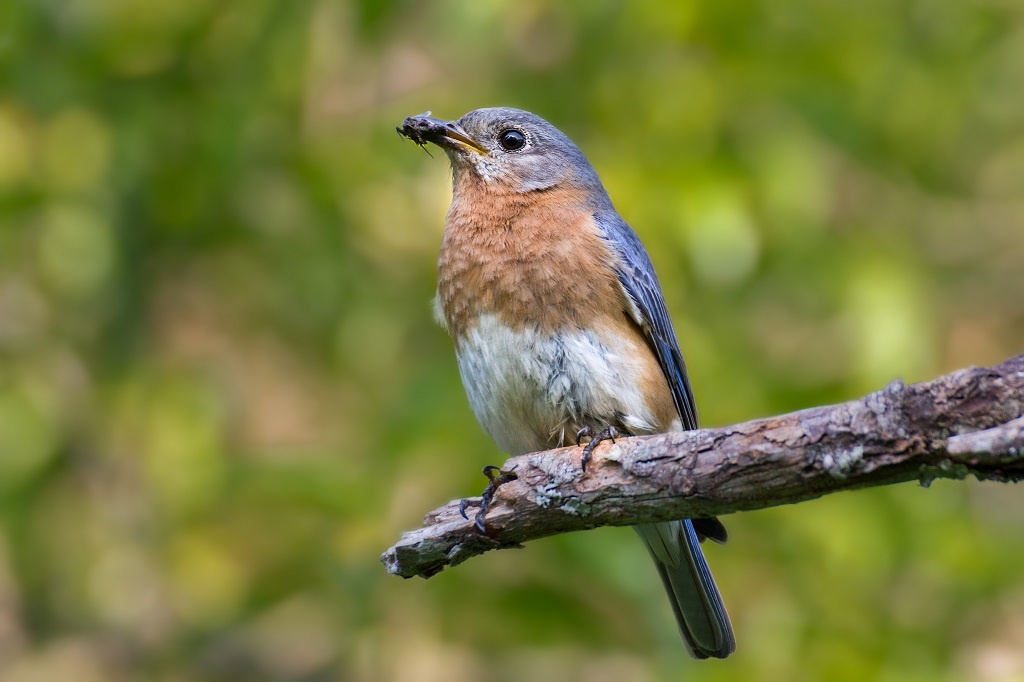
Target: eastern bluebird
[(559, 323)]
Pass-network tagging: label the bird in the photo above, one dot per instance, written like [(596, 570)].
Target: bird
[(559, 323)]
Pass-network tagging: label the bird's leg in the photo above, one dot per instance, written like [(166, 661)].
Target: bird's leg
[(496, 478), (608, 433)]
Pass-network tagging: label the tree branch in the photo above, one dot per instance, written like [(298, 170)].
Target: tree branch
[(966, 423)]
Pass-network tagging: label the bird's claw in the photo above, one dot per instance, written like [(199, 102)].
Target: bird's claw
[(496, 478), (608, 433)]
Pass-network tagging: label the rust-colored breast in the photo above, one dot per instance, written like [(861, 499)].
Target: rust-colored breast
[(534, 261)]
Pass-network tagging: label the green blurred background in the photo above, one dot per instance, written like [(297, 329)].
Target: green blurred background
[(222, 394)]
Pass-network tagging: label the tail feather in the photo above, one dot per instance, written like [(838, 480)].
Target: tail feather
[(700, 614)]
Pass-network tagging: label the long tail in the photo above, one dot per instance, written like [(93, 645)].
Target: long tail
[(703, 623)]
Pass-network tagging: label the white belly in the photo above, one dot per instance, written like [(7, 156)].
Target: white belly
[(531, 391)]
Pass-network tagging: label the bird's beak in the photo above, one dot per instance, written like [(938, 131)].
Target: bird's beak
[(422, 129)]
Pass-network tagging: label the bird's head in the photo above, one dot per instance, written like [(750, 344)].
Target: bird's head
[(507, 150)]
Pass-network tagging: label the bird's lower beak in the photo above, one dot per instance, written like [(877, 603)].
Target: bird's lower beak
[(422, 129)]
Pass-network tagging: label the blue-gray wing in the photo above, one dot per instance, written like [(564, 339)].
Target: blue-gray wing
[(675, 545), (636, 274)]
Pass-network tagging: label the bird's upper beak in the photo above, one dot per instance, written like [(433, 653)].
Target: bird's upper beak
[(448, 134)]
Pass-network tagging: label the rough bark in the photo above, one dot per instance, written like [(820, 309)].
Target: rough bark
[(968, 423)]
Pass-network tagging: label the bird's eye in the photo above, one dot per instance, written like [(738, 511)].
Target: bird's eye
[(511, 140)]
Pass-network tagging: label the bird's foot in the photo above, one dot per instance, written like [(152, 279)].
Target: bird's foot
[(496, 478), (608, 433)]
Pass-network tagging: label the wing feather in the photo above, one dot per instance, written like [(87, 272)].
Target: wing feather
[(636, 275)]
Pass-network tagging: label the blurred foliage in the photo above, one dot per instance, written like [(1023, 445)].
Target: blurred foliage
[(222, 394)]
